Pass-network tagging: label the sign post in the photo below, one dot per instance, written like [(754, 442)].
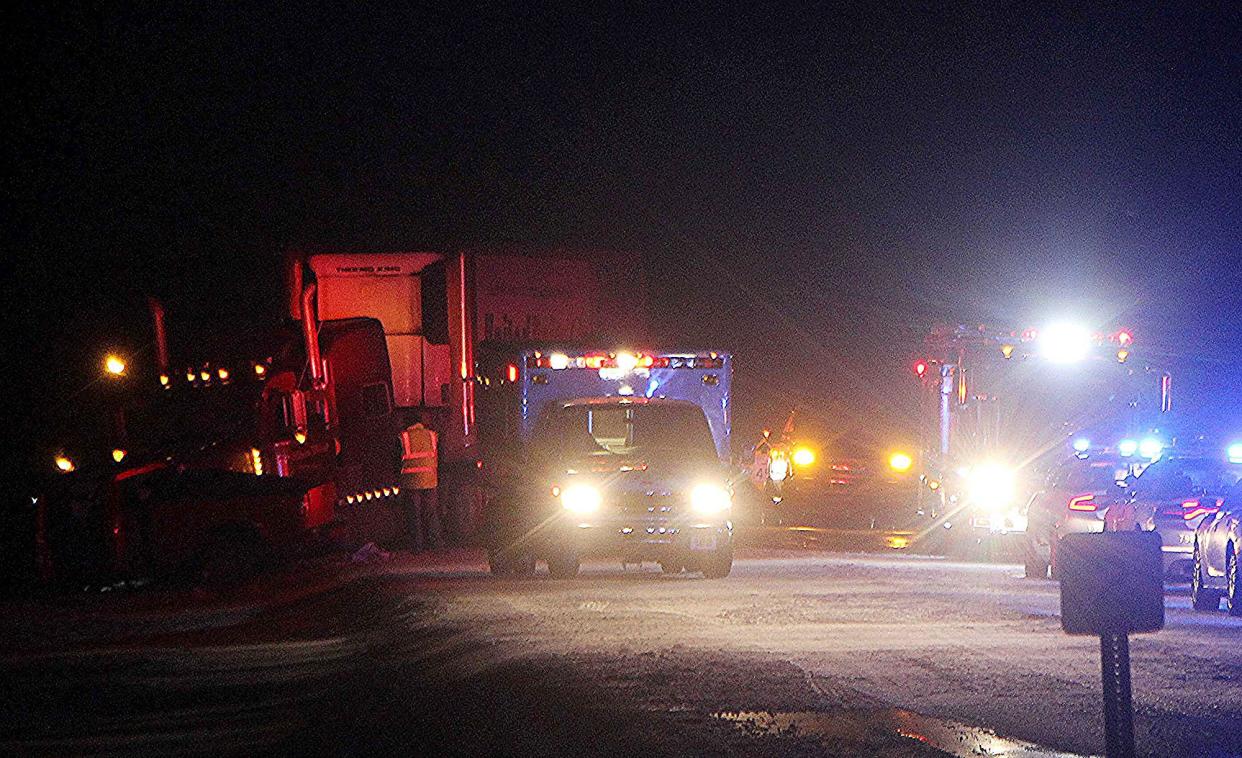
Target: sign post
[(1112, 585)]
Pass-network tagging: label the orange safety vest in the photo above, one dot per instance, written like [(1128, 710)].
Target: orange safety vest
[(418, 458)]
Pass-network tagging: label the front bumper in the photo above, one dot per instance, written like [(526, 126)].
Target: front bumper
[(637, 540)]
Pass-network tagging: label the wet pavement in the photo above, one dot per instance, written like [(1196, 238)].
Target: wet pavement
[(796, 653)]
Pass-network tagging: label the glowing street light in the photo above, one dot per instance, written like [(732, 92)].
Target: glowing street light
[(114, 365), (900, 462)]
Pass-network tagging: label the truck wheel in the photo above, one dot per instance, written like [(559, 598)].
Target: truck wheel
[(1201, 598), (509, 563), (718, 564), (524, 564), (498, 562), (1235, 584), (564, 565)]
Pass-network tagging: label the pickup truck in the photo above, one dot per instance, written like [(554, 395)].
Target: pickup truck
[(615, 473)]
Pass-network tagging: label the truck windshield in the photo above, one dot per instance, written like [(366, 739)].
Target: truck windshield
[(583, 430)]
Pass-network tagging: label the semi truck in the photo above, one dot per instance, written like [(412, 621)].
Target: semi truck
[(373, 342), (998, 404)]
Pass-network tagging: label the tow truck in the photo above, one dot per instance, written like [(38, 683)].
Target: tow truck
[(609, 453), (995, 402)]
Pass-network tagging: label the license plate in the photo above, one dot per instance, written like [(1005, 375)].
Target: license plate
[(702, 542)]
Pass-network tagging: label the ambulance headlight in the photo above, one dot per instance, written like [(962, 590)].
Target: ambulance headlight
[(581, 498), (710, 499), (778, 469), (992, 485)]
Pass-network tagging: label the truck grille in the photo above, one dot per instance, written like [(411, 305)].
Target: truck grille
[(647, 506)]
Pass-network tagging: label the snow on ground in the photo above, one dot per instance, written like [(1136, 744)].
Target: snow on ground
[(857, 637)]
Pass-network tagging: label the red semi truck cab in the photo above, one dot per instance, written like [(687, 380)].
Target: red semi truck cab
[(436, 308)]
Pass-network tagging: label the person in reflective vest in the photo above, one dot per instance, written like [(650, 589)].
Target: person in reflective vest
[(418, 487)]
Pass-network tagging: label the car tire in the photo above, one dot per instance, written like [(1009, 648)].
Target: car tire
[(1201, 598), (718, 564), (1234, 593), (564, 565), (1035, 564)]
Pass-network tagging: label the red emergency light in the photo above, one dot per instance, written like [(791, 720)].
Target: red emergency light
[(920, 368), (596, 361)]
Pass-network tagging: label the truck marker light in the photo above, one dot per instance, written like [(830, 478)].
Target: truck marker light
[(118, 454), (205, 375), (223, 373), (260, 370), (1083, 503), (558, 361), (256, 459), (1007, 351), (65, 464), (1122, 355), (164, 380), (299, 436), (512, 372)]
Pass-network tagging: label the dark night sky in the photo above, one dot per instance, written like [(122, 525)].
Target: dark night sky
[(814, 184)]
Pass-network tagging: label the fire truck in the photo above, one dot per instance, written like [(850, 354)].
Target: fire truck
[(212, 463), (997, 404)]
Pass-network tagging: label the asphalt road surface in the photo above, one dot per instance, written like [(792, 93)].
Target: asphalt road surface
[(796, 653)]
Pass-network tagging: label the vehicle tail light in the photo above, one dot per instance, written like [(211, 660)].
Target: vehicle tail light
[(1193, 509), (1083, 503), (513, 373)]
